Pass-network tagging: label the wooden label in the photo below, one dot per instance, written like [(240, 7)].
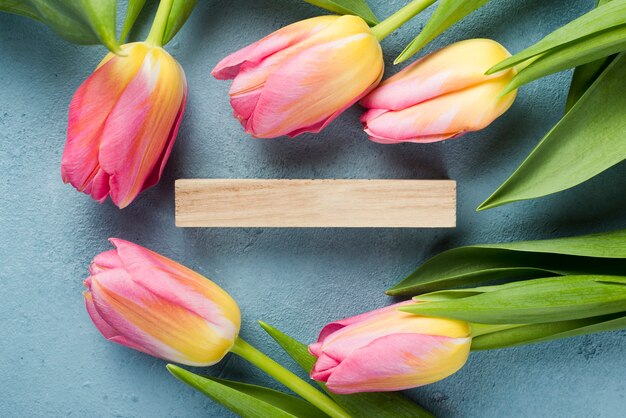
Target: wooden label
[(315, 203)]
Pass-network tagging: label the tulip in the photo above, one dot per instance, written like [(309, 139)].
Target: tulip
[(150, 303), (388, 350), (442, 95), (301, 77), (123, 121), (147, 302)]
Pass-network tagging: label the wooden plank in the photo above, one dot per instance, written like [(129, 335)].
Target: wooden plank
[(315, 203)]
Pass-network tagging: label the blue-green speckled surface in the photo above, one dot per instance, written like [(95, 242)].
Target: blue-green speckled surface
[(53, 362)]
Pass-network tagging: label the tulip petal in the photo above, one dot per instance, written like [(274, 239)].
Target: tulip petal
[(399, 361), (105, 261), (139, 125), (283, 38), (157, 172), (449, 69), (315, 86), (181, 286), (105, 329), (443, 117), (89, 109)]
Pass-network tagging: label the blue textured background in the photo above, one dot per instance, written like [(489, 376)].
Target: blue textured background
[(54, 363)]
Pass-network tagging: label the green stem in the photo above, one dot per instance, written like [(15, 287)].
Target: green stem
[(155, 37), (482, 329), (284, 376), (399, 18)]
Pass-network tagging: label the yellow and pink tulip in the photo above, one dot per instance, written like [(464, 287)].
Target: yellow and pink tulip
[(301, 77), (440, 96), (123, 121), (388, 350), (152, 304)]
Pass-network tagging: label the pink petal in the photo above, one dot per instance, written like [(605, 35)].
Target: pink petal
[(156, 173), (89, 108), (449, 69), (443, 117), (105, 329), (105, 261), (311, 89), (399, 361), (139, 126), (283, 38)]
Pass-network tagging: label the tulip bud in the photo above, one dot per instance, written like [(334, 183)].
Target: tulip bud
[(150, 303), (442, 95), (301, 77), (387, 350), (123, 121)]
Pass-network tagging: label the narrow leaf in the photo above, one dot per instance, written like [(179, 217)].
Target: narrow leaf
[(593, 47), (240, 402), (133, 9), (604, 17), (383, 405), (588, 140), (536, 333), (603, 253), (447, 14), (181, 9), (585, 75), (533, 301), (78, 21), (348, 7), (290, 404)]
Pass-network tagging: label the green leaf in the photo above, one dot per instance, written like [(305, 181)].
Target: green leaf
[(348, 7), (532, 301), (181, 9), (603, 253), (78, 21), (536, 333), (133, 9), (591, 48), (447, 14), (383, 405), (290, 404), (585, 75), (248, 401), (588, 140), (606, 16)]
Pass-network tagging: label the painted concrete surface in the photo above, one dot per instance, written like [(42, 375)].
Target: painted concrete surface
[(54, 363)]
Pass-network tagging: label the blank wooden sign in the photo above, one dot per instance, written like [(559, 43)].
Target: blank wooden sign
[(315, 203)]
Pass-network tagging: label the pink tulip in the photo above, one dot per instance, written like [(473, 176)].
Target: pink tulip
[(123, 122), (387, 350), (147, 302), (301, 77), (442, 95)]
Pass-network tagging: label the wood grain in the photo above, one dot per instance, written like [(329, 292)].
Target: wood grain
[(315, 203)]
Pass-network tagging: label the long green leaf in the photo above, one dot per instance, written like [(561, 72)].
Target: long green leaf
[(536, 333), (588, 140), (585, 75), (246, 401), (383, 405), (532, 301), (603, 253), (181, 9), (447, 14), (348, 7), (133, 9), (591, 48), (78, 21), (604, 17), (295, 406)]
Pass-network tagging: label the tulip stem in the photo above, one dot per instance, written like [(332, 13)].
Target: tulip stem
[(399, 18), (157, 31), (287, 378)]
